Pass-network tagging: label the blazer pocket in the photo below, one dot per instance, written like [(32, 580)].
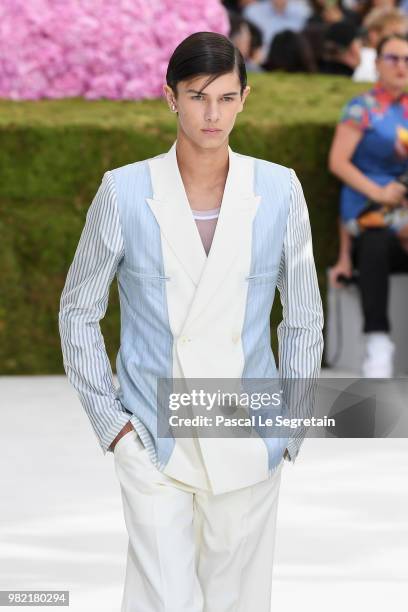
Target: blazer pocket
[(145, 277), (266, 276)]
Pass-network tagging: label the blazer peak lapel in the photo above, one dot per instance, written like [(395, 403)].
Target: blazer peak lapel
[(172, 210), (234, 226), (173, 213)]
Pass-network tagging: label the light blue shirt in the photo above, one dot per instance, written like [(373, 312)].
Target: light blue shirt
[(264, 15)]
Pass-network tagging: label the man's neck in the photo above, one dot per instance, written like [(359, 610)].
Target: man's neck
[(201, 167)]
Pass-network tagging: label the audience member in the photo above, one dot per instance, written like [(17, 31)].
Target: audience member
[(368, 155), (290, 52), (273, 16), (380, 22), (366, 6), (341, 49), (240, 34), (314, 33), (330, 11), (248, 39), (257, 54)]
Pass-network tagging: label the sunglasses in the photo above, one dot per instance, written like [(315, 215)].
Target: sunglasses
[(393, 59)]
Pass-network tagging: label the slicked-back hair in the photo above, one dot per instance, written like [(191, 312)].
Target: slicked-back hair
[(205, 53)]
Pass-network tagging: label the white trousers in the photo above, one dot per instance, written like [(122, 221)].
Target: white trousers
[(190, 550)]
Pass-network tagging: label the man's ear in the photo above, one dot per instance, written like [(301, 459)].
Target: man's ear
[(169, 95), (245, 94)]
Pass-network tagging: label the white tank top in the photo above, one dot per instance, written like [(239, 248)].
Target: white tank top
[(206, 220)]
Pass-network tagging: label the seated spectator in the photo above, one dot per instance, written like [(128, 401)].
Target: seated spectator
[(248, 39), (314, 33), (330, 11), (290, 52), (365, 7), (325, 13), (368, 155), (380, 22), (240, 34), (257, 54), (273, 16), (341, 49)]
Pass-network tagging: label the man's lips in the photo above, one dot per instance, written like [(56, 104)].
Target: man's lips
[(210, 130)]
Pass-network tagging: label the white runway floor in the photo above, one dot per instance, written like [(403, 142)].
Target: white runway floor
[(342, 538)]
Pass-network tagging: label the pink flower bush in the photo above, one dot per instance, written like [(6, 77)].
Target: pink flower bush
[(117, 49)]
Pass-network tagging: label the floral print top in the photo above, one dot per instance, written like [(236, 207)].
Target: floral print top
[(378, 115)]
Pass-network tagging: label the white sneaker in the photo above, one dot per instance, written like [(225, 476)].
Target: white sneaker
[(378, 360)]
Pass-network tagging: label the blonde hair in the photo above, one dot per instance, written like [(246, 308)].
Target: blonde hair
[(381, 17)]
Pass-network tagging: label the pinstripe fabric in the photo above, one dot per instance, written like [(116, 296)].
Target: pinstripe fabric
[(83, 303), (121, 236), (300, 331)]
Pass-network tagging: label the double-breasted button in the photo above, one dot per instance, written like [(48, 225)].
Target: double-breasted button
[(184, 339)]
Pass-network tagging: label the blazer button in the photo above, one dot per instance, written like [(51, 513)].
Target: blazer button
[(235, 338), (184, 339)]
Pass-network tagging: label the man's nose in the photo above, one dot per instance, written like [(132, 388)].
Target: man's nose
[(212, 112)]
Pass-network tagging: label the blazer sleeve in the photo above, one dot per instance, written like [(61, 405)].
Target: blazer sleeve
[(83, 304), (300, 333)]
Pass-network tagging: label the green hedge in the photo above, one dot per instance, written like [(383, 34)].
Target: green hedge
[(53, 155)]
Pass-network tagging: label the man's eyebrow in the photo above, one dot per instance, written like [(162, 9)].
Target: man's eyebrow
[(231, 93)]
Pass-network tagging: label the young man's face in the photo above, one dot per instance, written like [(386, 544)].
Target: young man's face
[(207, 118)]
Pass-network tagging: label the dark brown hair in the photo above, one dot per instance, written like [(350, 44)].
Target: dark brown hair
[(205, 53)]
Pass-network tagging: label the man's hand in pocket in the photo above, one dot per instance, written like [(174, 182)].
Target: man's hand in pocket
[(128, 427)]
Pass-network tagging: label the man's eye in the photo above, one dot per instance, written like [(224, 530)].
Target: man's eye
[(199, 97)]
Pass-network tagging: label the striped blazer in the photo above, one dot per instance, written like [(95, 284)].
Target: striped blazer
[(185, 315)]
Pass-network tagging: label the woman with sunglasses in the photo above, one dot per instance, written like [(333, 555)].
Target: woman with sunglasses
[(368, 155)]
